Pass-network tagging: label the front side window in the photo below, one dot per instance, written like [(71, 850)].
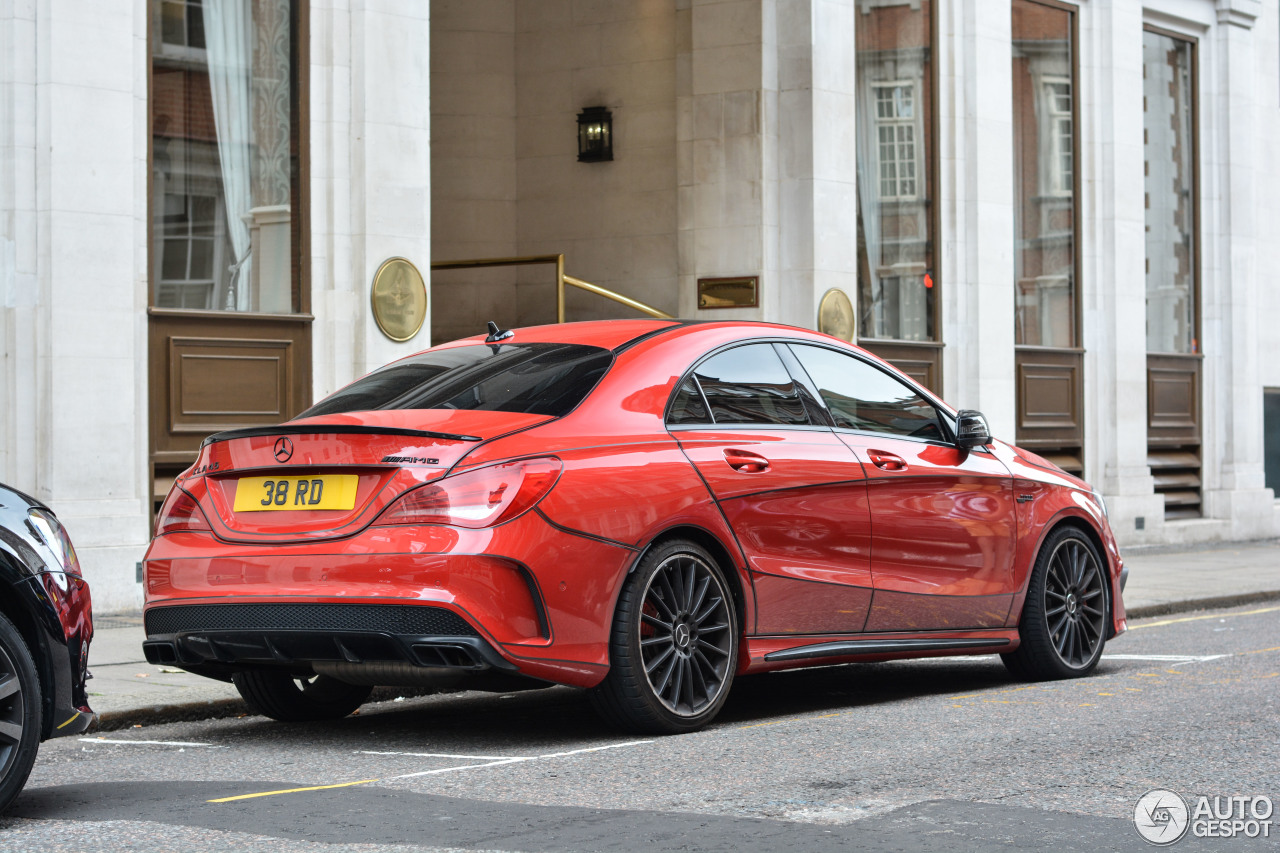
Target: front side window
[(1044, 176), (896, 294), (744, 385), (534, 379), (224, 156), (862, 397)]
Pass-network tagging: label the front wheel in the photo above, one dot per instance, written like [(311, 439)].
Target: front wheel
[(674, 644), (20, 714), (1064, 620), (297, 699)]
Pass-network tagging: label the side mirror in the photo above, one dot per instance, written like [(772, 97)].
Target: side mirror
[(972, 430)]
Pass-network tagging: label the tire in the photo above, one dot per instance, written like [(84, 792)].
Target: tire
[(674, 644), (295, 699), (1064, 619), (20, 712)]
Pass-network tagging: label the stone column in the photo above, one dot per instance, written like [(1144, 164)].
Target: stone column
[(1113, 281), (766, 152), (1233, 400), (370, 174), (73, 152), (976, 197)]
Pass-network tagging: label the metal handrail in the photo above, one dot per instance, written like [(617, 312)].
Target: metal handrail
[(561, 281)]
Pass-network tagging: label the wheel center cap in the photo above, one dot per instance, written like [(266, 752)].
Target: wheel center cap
[(1071, 603), (681, 636)]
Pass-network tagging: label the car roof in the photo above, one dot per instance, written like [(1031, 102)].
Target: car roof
[(606, 334)]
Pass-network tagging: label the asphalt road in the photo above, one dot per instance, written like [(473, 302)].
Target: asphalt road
[(945, 755)]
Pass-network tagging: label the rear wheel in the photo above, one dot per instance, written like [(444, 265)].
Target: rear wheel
[(1064, 619), (674, 645), (296, 699), (20, 714)]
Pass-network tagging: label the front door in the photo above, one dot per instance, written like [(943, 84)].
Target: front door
[(943, 518), (793, 494)]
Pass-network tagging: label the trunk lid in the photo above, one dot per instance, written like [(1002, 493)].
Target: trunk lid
[(330, 476)]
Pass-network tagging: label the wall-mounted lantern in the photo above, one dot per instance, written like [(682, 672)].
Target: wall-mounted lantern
[(595, 135)]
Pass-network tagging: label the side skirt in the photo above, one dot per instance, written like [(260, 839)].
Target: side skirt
[(768, 653)]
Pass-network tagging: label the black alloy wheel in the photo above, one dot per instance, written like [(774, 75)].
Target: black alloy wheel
[(1064, 619), (293, 698), (675, 643), (20, 714)]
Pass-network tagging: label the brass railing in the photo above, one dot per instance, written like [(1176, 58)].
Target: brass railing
[(561, 281)]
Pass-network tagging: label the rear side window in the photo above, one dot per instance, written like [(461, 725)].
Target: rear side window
[(743, 385), (862, 397), (533, 379)]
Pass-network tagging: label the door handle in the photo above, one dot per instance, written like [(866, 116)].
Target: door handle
[(746, 462), (887, 461)]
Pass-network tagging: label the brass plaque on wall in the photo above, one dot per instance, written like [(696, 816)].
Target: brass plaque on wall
[(835, 315), (399, 299), (743, 292)]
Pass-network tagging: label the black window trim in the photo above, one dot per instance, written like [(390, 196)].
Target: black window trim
[(948, 414), (690, 374), (945, 422)]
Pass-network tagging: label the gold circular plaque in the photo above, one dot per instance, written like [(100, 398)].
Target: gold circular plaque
[(835, 315), (399, 299)]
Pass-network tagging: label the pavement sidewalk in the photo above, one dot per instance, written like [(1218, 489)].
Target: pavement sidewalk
[(127, 691)]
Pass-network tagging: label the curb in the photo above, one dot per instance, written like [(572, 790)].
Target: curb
[(1210, 603), (220, 709)]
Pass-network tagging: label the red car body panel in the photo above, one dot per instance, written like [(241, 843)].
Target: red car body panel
[(825, 534)]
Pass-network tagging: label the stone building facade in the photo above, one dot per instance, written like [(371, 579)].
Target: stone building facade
[(1054, 212)]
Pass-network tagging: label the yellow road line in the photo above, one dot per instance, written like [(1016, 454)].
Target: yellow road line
[(1208, 616), (290, 791)]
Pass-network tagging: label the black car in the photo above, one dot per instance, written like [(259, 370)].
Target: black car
[(45, 627)]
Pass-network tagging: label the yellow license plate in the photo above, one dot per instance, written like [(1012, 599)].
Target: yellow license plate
[(330, 491)]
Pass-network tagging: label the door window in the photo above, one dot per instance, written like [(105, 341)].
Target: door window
[(743, 385), (862, 397)]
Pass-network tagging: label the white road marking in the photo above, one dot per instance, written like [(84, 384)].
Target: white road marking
[(440, 770), (595, 749), (442, 755), (491, 761), (150, 742), (1166, 658)]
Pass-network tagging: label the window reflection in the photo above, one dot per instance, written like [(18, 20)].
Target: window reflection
[(1044, 186), (1169, 151), (222, 158), (894, 97)]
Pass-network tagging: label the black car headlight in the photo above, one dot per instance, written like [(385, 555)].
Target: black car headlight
[(49, 531)]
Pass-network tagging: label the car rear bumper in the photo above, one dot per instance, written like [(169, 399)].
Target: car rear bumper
[(524, 597)]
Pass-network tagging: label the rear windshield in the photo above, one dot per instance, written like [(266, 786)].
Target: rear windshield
[(531, 379)]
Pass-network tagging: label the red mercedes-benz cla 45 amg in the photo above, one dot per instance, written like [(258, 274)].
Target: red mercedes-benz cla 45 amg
[(641, 508)]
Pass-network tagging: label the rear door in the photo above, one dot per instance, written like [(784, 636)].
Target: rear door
[(943, 518), (792, 492)]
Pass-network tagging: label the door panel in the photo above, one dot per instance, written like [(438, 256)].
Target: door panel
[(942, 518), (797, 501), (944, 526)]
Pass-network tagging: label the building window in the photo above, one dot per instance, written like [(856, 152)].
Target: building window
[(224, 156), (896, 134), (896, 293), (1271, 438), (1170, 154), (182, 23), (192, 249), (1057, 100), (1044, 175)]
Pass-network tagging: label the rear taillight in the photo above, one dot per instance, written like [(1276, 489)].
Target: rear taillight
[(180, 512), (480, 498)]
